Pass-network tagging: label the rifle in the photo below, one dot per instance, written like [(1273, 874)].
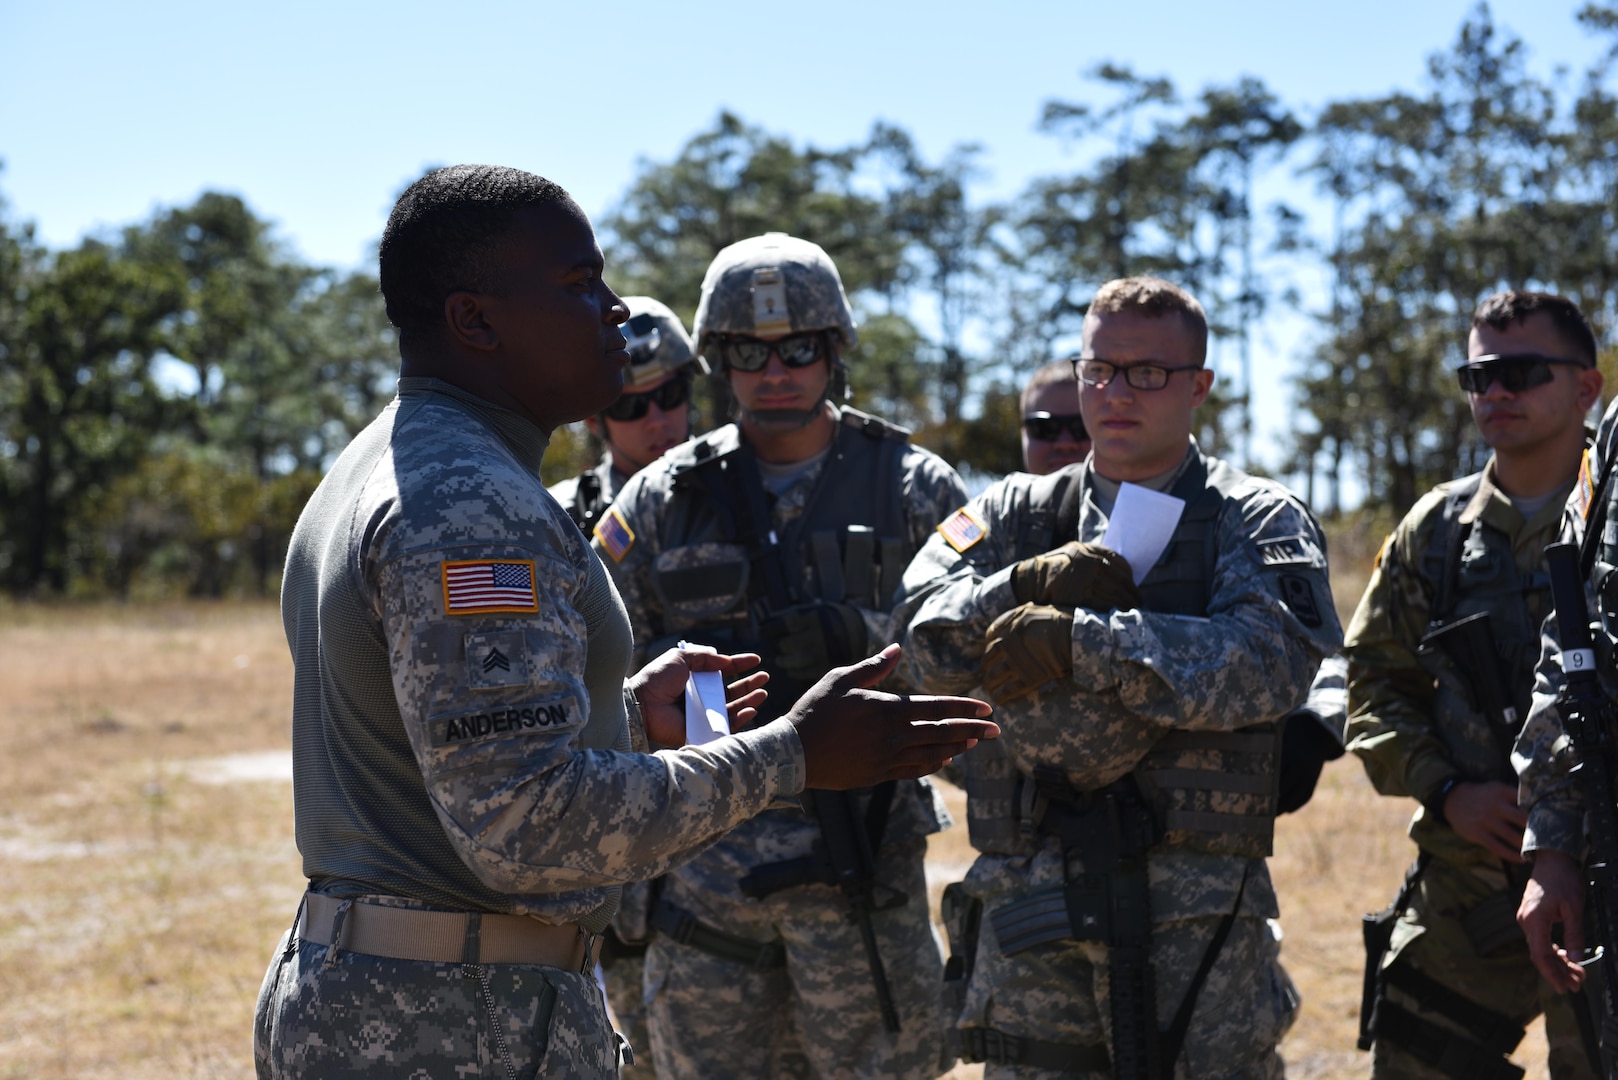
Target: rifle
[(1470, 647), (844, 857), (1589, 719)]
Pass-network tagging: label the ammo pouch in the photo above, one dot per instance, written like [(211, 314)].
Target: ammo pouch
[(1216, 792), (1213, 792)]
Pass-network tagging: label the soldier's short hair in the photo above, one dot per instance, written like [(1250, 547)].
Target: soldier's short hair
[(444, 233), (1504, 308), (1154, 298), (1057, 371)]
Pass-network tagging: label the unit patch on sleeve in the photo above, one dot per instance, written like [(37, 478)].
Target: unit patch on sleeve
[(615, 534), (533, 718), (1297, 550), (1300, 597), (484, 586), (962, 529), (496, 660)]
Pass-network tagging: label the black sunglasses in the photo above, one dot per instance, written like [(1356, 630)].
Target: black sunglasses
[(751, 354), (670, 395), (1515, 372), (1048, 427)]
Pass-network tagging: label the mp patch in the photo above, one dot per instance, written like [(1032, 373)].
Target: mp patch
[(494, 661), (536, 718), (615, 534), (483, 586), (962, 529), (1296, 550), (1299, 595)]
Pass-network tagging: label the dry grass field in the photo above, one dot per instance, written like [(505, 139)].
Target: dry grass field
[(148, 864)]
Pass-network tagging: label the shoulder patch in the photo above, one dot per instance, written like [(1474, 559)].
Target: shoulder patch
[(1299, 595), (531, 718), (484, 586), (615, 534), (962, 529), (1381, 552), (1585, 489), (1297, 550)]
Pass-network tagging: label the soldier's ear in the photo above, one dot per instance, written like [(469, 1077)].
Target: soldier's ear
[(1201, 382), (467, 317), (1589, 388), (594, 425)]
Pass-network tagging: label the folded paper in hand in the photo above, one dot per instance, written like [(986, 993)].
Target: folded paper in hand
[(1141, 526), (705, 716)]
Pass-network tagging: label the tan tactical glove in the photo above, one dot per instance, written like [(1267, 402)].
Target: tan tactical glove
[(1077, 575), (1027, 647)]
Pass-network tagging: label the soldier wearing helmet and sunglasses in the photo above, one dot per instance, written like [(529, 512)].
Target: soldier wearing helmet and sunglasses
[(1441, 654), (799, 944), (650, 416)]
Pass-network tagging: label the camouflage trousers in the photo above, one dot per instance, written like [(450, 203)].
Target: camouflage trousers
[(625, 981), (816, 1017), (1431, 938), (353, 1016), (1059, 993)]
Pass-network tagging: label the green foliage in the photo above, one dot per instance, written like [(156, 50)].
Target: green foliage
[(112, 480), (118, 477), (1483, 182)]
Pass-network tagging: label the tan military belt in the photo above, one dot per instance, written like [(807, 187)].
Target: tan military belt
[(443, 937)]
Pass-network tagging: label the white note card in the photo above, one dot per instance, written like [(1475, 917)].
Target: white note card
[(1141, 526), (705, 716)]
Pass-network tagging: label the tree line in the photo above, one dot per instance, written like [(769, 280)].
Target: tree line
[(170, 394)]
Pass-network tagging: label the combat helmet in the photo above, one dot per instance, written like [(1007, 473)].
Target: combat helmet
[(773, 284), (658, 344)]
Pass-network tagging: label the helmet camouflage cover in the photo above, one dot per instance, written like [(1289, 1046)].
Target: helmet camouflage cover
[(770, 285), (658, 343)]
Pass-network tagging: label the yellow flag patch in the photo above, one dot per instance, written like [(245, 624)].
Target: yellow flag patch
[(963, 529), (615, 534)]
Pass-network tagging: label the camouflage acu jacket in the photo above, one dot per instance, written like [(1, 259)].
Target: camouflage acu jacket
[(446, 622), (1544, 754), (1137, 675), (1414, 720)]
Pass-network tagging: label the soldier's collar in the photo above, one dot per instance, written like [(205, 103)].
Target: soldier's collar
[(521, 436)]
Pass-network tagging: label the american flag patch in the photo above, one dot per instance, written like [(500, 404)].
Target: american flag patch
[(473, 588), (615, 534), (962, 529)]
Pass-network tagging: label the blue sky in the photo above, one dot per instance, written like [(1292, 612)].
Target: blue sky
[(318, 113)]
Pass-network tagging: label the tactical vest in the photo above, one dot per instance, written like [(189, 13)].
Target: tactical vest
[(1209, 791), (850, 544), (1474, 570)]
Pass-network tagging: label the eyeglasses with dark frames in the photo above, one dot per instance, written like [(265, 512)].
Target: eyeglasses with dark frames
[(1146, 375)]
